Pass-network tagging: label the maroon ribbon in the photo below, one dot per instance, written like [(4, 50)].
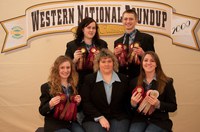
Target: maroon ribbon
[(90, 58), (144, 106), (82, 60), (122, 56), (66, 110), (132, 57)]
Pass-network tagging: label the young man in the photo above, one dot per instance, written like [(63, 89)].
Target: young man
[(136, 44)]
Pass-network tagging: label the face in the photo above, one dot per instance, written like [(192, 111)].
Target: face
[(64, 70), (89, 31), (129, 21), (149, 64), (106, 65)]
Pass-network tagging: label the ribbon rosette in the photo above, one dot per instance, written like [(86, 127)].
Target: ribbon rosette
[(60, 107), (139, 89), (90, 58), (132, 57), (145, 107), (66, 109), (82, 60), (123, 55)]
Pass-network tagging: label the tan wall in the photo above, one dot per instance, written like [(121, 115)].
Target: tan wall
[(22, 71)]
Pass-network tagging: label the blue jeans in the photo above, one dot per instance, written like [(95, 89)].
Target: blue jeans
[(115, 126), (80, 117), (75, 128), (145, 127)]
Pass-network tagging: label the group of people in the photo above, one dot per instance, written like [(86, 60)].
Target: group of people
[(92, 89)]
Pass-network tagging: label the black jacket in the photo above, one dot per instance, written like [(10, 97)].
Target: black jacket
[(72, 46), (50, 123), (147, 44), (94, 99), (159, 117)]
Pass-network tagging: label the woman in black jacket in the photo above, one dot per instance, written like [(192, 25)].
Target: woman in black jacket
[(86, 44), (153, 96), (59, 96), (104, 96), (83, 49)]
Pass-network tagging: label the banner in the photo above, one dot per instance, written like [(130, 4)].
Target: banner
[(64, 16)]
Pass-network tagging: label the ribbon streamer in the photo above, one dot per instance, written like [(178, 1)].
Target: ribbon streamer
[(90, 58), (132, 57), (122, 56), (82, 60), (144, 106)]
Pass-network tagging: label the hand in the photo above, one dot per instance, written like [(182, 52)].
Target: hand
[(96, 52), (135, 98), (117, 50), (77, 99), (153, 101), (104, 123), (77, 55), (139, 51), (54, 101)]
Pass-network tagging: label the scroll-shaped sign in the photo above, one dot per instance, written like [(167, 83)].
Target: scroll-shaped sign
[(64, 16)]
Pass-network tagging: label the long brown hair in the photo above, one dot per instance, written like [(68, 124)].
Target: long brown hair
[(162, 79), (54, 77)]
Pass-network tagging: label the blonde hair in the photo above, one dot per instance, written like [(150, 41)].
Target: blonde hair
[(105, 53), (54, 77)]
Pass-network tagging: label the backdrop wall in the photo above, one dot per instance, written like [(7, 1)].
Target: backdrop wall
[(22, 71)]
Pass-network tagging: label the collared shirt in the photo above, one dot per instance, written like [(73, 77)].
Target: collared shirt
[(88, 46), (67, 90), (131, 38), (108, 87), (148, 85)]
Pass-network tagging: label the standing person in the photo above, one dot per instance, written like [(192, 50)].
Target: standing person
[(104, 96), (83, 50), (157, 98), (57, 94), (134, 43), (86, 44)]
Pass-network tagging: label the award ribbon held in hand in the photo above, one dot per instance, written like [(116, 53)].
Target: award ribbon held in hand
[(123, 55), (60, 107), (90, 58), (144, 106), (147, 106), (66, 110), (82, 60), (132, 57)]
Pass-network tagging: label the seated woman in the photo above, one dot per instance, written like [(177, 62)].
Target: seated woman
[(153, 96), (104, 96), (59, 96)]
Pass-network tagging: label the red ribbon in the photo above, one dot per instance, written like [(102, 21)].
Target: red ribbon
[(81, 61), (144, 106), (122, 56), (90, 58), (66, 110), (132, 57)]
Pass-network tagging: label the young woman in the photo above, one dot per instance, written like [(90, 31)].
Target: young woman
[(83, 50), (86, 44), (152, 98), (56, 96)]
